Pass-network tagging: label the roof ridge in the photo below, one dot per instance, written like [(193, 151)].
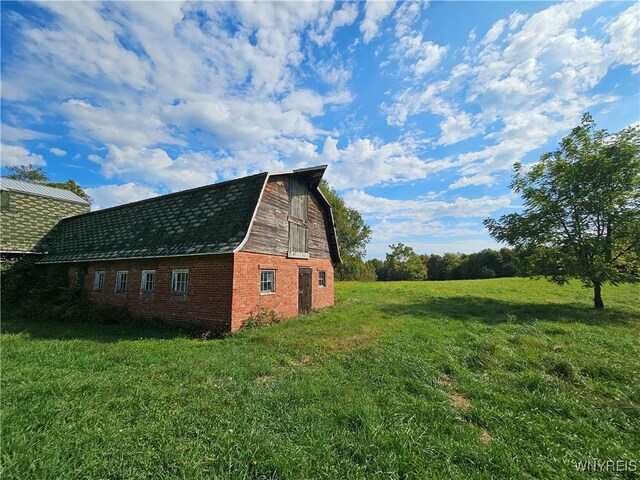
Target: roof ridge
[(166, 195)]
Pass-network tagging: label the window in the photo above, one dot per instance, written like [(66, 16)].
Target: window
[(98, 281), (267, 281), (122, 277), (4, 199), (298, 209), (322, 279), (148, 283), (180, 282)]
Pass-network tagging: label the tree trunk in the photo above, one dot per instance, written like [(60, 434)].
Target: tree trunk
[(597, 296)]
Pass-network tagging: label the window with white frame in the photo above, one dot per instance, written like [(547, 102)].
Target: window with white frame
[(122, 278), (267, 281), (180, 282), (322, 279), (148, 282), (98, 280)]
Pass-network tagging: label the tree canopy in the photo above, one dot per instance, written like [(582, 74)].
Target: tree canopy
[(581, 215), (353, 236), (402, 263), (30, 173)]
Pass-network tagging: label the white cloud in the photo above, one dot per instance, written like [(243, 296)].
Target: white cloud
[(374, 13), (526, 87), (15, 134), (388, 230), (106, 196), (622, 31), (494, 32), (364, 162), (424, 210), (478, 179), (141, 77), (457, 127), (340, 18), (15, 155), (155, 166), (58, 152), (422, 56), (120, 124)]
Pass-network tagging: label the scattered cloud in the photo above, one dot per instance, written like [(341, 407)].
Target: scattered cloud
[(58, 152), (15, 155), (425, 210), (15, 134), (374, 13), (106, 196)]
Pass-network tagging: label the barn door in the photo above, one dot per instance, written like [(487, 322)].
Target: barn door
[(304, 290)]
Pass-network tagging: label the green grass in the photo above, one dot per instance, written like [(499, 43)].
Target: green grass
[(506, 378)]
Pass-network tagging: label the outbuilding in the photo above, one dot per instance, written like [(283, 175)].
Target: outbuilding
[(208, 257)]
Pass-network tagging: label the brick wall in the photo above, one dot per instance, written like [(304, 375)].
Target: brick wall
[(223, 290), (207, 303), (246, 285), (28, 218)]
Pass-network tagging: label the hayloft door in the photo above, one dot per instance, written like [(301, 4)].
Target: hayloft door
[(304, 290)]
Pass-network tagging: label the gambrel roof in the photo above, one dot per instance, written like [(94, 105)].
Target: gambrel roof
[(214, 219)]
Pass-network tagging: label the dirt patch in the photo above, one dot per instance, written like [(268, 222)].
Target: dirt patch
[(263, 379), (305, 360), (354, 341), (484, 436), (445, 381), (457, 400)]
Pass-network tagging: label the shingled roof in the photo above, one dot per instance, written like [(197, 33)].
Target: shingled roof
[(205, 220)]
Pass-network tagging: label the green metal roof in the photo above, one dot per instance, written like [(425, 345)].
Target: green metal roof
[(206, 220)]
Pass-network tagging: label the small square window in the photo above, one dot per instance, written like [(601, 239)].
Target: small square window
[(98, 281), (180, 282), (322, 279), (267, 281), (122, 278), (148, 282)]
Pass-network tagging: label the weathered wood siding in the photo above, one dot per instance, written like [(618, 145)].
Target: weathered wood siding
[(270, 230)]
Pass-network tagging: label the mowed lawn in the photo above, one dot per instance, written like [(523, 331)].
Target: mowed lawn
[(505, 378)]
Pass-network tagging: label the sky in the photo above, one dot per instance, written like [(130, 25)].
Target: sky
[(420, 109)]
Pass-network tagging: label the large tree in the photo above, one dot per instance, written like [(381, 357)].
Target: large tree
[(353, 236), (30, 173), (581, 215), (403, 264)]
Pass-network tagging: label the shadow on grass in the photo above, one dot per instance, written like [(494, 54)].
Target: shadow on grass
[(491, 311), (12, 323)]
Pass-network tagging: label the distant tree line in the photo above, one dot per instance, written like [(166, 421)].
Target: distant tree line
[(402, 263)]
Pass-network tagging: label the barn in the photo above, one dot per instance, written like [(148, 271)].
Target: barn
[(28, 211), (208, 257)]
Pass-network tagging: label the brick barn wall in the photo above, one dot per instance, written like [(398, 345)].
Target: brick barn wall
[(206, 305), (246, 285)]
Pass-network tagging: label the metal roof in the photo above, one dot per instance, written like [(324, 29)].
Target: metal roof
[(11, 185)]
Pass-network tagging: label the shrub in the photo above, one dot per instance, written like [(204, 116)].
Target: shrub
[(261, 317)]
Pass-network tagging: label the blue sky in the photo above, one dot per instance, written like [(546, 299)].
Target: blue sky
[(419, 109)]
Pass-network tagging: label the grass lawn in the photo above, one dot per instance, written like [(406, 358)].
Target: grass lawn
[(505, 378)]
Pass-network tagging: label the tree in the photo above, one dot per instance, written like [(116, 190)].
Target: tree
[(29, 173), (581, 216), (404, 264), (353, 236)]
